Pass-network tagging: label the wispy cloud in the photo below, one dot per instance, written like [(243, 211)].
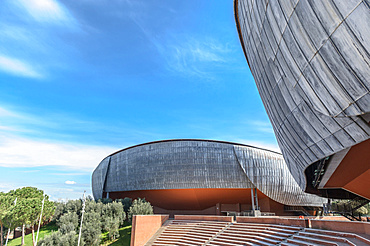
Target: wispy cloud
[(27, 150), (188, 55), (46, 10), (60, 125), (192, 56), (261, 126), (18, 151), (17, 67), (70, 182)]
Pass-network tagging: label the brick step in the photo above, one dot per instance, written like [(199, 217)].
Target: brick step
[(251, 231), (194, 229), (196, 226), (228, 244), (176, 239), (294, 228), (271, 228), (177, 222), (190, 226), (323, 237), (288, 244), (189, 233), (179, 241), (239, 240), (256, 236), (299, 242), (261, 235), (313, 240), (184, 236), (193, 234), (340, 234)]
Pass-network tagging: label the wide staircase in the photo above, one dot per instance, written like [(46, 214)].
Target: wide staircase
[(193, 232)]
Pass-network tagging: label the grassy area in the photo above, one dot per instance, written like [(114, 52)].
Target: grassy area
[(123, 240), (45, 230)]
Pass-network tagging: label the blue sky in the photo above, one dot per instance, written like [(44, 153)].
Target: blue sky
[(82, 79)]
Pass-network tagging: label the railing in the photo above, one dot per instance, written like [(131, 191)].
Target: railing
[(348, 209)]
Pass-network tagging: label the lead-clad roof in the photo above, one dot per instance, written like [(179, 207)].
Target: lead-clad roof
[(191, 164)]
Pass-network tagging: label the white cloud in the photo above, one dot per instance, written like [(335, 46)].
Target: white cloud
[(18, 67), (18, 151), (262, 126), (260, 144), (46, 10), (70, 182), (186, 54), (192, 56)]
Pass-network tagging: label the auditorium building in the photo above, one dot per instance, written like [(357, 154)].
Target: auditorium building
[(310, 61), (202, 177)]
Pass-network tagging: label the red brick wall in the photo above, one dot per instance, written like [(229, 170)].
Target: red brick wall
[(345, 226), (144, 227), (204, 217), (272, 220)]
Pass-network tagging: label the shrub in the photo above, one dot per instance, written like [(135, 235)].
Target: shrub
[(140, 206), (58, 239), (68, 222)]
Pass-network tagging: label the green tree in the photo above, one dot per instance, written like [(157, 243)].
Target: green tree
[(105, 200), (127, 202), (60, 209), (68, 222), (112, 216), (140, 206), (59, 239), (6, 203), (28, 208), (97, 217), (91, 228), (74, 206)]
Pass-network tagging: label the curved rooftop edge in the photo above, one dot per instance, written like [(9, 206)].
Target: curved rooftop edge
[(199, 164), (193, 139), (310, 61)]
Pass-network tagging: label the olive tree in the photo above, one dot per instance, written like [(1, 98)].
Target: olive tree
[(140, 206)]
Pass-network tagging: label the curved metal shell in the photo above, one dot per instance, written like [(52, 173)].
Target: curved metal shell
[(190, 164), (269, 173), (99, 176), (310, 61)]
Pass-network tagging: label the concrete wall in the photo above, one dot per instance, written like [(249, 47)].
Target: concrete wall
[(144, 227)]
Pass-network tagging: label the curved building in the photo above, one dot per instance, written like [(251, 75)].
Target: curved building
[(310, 61), (200, 175)]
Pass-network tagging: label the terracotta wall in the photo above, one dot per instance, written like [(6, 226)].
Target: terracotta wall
[(345, 226), (205, 217), (272, 220), (144, 227), (171, 213), (339, 218)]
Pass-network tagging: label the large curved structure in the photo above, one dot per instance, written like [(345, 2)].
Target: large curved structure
[(310, 61), (198, 174)]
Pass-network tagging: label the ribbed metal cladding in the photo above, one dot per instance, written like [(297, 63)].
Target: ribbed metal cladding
[(310, 61), (269, 173), (191, 164), (99, 177)]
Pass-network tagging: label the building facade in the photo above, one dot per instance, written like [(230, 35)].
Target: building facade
[(200, 176), (310, 61)]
